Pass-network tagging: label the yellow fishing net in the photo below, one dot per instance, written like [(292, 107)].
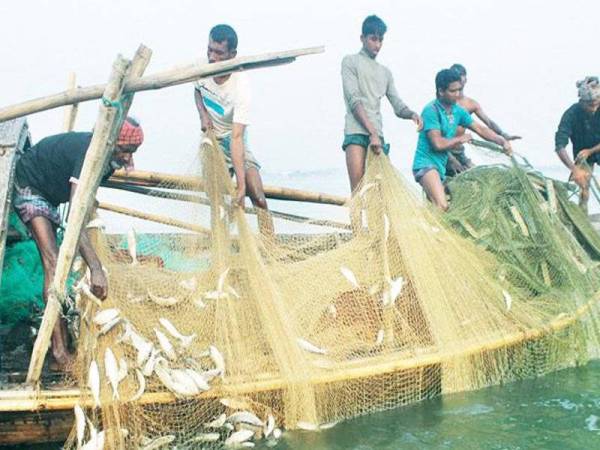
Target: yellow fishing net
[(225, 336)]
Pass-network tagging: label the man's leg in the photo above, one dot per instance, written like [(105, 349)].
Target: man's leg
[(45, 238), (256, 192), (434, 189), (356, 156)]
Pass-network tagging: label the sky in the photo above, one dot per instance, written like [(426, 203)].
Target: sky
[(523, 58)]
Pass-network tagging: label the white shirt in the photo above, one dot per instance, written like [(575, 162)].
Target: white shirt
[(226, 103)]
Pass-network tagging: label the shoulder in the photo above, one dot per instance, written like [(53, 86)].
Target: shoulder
[(429, 108), (462, 112), (350, 60)]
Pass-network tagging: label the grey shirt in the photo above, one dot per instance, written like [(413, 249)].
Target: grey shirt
[(366, 81)]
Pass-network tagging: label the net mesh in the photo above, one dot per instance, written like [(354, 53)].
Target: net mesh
[(300, 331)]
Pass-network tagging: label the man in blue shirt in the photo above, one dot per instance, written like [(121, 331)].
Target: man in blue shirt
[(441, 120)]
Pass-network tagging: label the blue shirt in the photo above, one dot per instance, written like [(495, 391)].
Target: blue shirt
[(435, 117)]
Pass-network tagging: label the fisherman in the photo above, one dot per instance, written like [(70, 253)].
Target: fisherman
[(441, 119), (223, 103), (457, 159), (46, 176), (365, 82), (581, 124)]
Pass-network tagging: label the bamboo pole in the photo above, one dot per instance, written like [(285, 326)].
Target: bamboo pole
[(70, 112), (194, 183), (159, 80), (153, 217), (91, 173)]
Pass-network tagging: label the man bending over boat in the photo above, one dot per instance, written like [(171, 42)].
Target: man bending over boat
[(46, 176), (441, 119), (365, 82), (457, 159), (224, 106), (581, 124)]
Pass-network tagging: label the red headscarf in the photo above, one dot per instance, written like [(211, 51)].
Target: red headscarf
[(131, 133)]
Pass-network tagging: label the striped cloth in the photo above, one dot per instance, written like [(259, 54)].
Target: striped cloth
[(29, 204), (131, 133)]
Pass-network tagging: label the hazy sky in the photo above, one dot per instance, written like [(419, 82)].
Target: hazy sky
[(523, 59)]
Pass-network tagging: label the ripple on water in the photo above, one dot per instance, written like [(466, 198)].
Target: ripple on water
[(591, 423), (470, 410)]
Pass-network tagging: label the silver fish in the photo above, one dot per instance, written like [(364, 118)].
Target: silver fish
[(132, 245), (105, 316), (122, 374), (166, 345), (507, 300), (112, 371), (245, 417), (109, 326), (182, 378), (328, 425), (94, 382), (210, 374), (96, 442), (396, 288), (141, 385), (217, 359), (159, 442), (150, 363), (185, 340), (349, 275), (217, 422), (205, 437), (167, 377), (198, 379), (365, 188), (238, 437), (277, 433), (386, 227), (269, 426), (379, 339), (307, 426), (221, 282), (305, 345), (162, 301), (79, 424), (85, 288)]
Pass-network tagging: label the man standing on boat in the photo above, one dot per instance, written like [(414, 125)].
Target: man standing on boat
[(224, 106), (457, 159), (441, 119), (581, 124), (365, 82), (46, 176)]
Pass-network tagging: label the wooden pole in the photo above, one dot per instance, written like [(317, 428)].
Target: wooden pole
[(70, 113), (96, 157), (194, 183), (153, 217), (160, 80)]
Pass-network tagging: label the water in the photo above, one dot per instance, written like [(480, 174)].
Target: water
[(558, 411)]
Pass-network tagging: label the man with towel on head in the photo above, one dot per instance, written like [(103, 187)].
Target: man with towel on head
[(581, 125), (46, 176)]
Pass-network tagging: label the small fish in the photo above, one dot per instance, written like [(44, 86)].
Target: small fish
[(105, 316), (95, 223), (365, 188), (112, 371), (132, 246), (380, 335), (507, 300), (166, 345), (122, 369), (109, 326), (96, 442), (94, 382), (143, 347), (141, 385), (221, 282), (269, 426), (307, 426), (217, 359), (221, 212), (245, 417), (205, 437), (395, 289), (150, 363), (185, 340), (190, 284), (327, 426), (183, 379), (159, 442), (217, 422), (238, 437), (79, 424), (386, 227), (277, 433), (198, 379), (85, 288), (77, 264), (305, 345), (162, 301), (210, 374), (349, 275)]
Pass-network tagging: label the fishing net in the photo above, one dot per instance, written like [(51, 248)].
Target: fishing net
[(221, 335)]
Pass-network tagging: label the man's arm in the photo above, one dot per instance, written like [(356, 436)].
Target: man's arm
[(442, 144), (491, 136), (478, 110), (98, 282), (400, 108), (237, 159), (355, 100), (205, 120)]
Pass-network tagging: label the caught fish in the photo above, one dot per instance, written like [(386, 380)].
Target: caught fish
[(179, 385), (221, 212), (185, 340), (307, 426), (150, 363), (112, 371), (183, 379), (217, 422), (245, 417), (365, 188), (379, 339), (96, 442), (210, 374), (327, 426), (94, 382), (349, 275), (277, 433), (122, 369), (105, 316), (269, 426), (143, 347), (217, 359), (166, 345), (386, 227), (395, 289), (77, 264), (141, 385), (507, 300), (85, 288), (305, 345), (109, 326), (190, 284), (132, 246), (162, 301), (159, 442), (205, 437), (198, 379), (238, 437), (79, 424)]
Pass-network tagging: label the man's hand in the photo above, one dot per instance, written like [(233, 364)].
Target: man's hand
[(99, 283), (456, 166), (583, 155), (507, 148), (465, 138), (375, 144), (240, 196), (581, 176), (418, 121)]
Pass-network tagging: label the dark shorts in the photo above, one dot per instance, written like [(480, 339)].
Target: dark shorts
[(29, 204), (462, 158), (363, 141), (420, 173)]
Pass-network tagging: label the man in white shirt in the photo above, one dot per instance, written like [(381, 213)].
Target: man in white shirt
[(223, 104)]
